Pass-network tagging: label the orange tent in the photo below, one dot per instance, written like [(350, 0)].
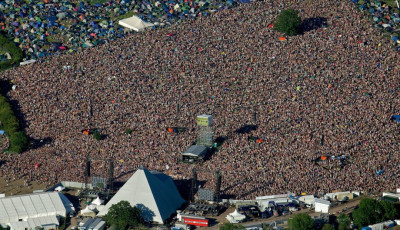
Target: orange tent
[(259, 140), (37, 165), (86, 132), (324, 158), (282, 39), (171, 130)]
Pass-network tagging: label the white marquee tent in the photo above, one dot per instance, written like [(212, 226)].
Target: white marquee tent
[(135, 23), (46, 222), (26, 207), (235, 217), (154, 193)]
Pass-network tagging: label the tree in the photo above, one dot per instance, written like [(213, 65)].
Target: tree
[(301, 221), (389, 209), (328, 227), (97, 135), (123, 215), (288, 22), (343, 221), (229, 226), (369, 211)]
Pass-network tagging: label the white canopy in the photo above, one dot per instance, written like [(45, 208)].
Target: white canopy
[(97, 201), (135, 23), (154, 193), (235, 217), (25, 207), (88, 212)]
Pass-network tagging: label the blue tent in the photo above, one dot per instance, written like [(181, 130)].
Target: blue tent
[(395, 117), (380, 172), (52, 19)]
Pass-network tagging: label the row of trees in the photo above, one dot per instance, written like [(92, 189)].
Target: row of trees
[(6, 45), (17, 138)]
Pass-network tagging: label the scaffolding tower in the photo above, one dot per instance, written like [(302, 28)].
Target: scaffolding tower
[(205, 131)]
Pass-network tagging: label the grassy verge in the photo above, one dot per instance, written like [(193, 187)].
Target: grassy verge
[(18, 140), (123, 16), (94, 2), (7, 45)]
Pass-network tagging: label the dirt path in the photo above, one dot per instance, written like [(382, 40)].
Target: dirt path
[(337, 210)]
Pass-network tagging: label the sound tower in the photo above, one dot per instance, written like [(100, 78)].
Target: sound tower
[(87, 170), (193, 185), (205, 131), (111, 175), (218, 186)]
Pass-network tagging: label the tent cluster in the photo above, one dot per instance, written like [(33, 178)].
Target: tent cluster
[(42, 28), (384, 17)]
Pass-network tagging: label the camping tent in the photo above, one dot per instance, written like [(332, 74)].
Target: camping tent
[(155, 194), (135, 23)]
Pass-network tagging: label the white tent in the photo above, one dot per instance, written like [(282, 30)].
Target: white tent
[(47, 222), (88, 212), (135, 23), (235, 217), (97, 201), (25, 207), (154, 193)]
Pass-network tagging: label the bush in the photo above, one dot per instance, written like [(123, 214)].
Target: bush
[(288, 22), (328, 227), (18, 140)]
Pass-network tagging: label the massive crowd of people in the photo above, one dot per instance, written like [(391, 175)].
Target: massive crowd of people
[(316, 94)]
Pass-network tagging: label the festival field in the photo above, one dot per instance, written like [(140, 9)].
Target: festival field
[(330, 91)]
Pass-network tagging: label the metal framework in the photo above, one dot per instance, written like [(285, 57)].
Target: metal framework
[(205, 136)]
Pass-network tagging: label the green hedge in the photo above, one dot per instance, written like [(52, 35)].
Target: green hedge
[(9, 46), (17, 138)]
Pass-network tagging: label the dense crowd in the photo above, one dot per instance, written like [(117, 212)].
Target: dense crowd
[(312, 95), (44, 28)]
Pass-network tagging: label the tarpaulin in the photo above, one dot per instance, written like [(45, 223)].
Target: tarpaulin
[(395, 117)]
